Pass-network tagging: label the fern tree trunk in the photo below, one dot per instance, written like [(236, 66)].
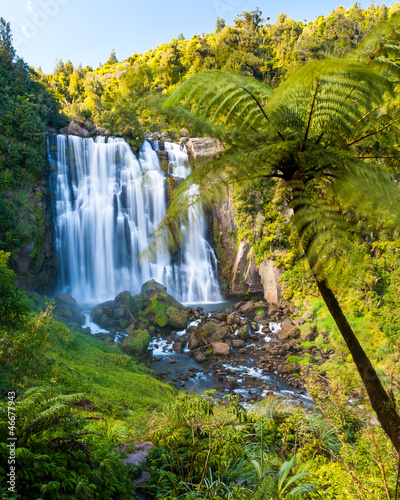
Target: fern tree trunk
[(381, 402)]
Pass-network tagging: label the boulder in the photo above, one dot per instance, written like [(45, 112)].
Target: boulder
[(67, 310), (194, 342), (211, 331), (304, 317), (286, 368), (237, 343), (199, 357), (66, 299), (289, 328), (203, 147), (177, 317), (178, 346), (152, 309), (75, 129), (220, 348), (233, 319), (151, 286), (243, 333), (136, 343)]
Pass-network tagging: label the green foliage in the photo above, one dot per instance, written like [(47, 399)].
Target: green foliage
[(279, 452), (22, 334), (13, 307), (57, 453), (27, 111), (252, 46)]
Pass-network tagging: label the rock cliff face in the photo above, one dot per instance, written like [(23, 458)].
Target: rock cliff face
[(246, 278), (202, 147), (238, 272), (35, 261)]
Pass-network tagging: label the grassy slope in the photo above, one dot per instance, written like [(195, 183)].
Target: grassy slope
[(112, 380)]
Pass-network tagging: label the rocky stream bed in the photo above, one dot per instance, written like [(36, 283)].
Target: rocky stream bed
[(249, 348)]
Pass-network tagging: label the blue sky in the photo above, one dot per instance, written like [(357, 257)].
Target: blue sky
[(85, 31)]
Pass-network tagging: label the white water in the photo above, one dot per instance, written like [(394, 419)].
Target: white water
[(108, 202)]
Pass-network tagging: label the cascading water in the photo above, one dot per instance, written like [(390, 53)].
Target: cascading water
[(108, 203)]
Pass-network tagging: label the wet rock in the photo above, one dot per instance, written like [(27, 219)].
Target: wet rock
[(178, 347), (194, 342), (243, 333), (238, 343), (66, 299), (231, 383), (151, 286), (200, 357), (67, 310), (233, 319), (220, 348), (211, 331)]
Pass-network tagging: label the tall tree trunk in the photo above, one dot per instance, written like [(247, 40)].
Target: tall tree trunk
[(381, 402)]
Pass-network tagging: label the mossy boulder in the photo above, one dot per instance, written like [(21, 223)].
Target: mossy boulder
[(136, 343), (308, 332), (177, 317), (211, 331), (152, 310), (152, 286), (156, 313)]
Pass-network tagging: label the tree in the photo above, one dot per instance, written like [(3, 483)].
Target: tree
[(321, 132), (112, 59), (7, 51)]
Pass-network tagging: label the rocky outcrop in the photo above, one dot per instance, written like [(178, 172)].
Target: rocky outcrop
[(224, 230), (248, 278), (239, 267), (75, 129), (34, 260), (83, 129), (202, 147), (269, 276), (153, 311)]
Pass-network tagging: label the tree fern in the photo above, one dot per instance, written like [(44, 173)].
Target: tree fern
[(318, 131)]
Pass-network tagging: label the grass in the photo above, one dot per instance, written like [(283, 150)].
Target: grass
[(114, 382)]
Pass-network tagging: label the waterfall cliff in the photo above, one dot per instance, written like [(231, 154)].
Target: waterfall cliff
[(108, 202)]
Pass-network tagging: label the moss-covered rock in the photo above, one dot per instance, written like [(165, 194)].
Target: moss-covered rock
[(136, 343), (212, 331), (308, 332), (152, 286), (157, 312), (177, 318), (152, 310)]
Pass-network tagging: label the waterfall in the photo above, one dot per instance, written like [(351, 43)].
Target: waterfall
[(108, 202)]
